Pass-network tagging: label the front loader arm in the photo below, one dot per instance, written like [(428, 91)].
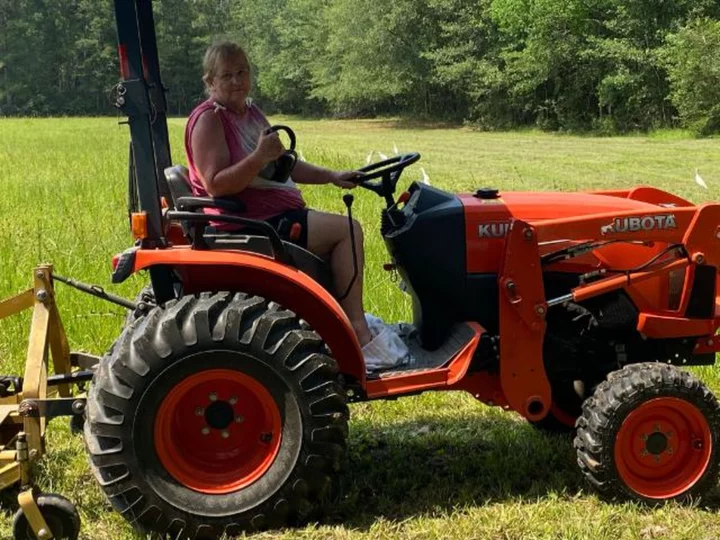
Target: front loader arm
[(695, 229)]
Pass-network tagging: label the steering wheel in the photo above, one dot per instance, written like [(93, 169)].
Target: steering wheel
[(389, 170), (280, 169), (286, 129)]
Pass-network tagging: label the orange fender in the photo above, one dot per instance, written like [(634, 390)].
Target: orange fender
[(257, 274)]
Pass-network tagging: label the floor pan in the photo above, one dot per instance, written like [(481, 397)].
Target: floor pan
[(460, 335)]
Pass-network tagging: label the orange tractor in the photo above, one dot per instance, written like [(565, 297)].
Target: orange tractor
[(223, 406)]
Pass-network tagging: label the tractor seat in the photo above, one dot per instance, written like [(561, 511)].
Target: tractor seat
[(178, 179), (207, 237)]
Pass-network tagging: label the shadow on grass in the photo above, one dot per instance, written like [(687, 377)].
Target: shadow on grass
[(433, 465)]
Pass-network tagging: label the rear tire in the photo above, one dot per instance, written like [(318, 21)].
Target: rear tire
[(216, 414), (650, 433)]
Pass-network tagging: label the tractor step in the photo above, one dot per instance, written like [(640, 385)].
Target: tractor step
[(423, 360)]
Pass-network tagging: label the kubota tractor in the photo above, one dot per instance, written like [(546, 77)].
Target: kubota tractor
[(223, 406)]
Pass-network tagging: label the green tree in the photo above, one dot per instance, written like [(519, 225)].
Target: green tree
[(372, 58), (609, 65), (281, 39), (464, 58), (180, 50), (693, 60)]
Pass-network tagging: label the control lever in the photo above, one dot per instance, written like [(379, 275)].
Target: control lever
[(348, 200)]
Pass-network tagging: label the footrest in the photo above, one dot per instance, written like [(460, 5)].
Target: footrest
[(460, 335), (431, 369)]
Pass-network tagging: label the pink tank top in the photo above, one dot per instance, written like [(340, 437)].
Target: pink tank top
[(262, 198)]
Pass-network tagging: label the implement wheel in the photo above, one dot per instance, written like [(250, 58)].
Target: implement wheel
[(650, 433), (59, 514), (216, 414)]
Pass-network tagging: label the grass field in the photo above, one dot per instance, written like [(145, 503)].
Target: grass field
[(433, 466)]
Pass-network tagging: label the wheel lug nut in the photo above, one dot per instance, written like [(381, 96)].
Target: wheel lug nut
[(233, 400), (199, 411), (657, 427), (225, 434), (645, 452), (213, 396), (239, 418), (205, 431), (644, 437)]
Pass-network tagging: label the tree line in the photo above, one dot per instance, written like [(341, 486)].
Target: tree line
[(604, 65)]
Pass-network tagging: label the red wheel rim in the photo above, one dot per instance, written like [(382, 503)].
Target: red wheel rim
[(663, 448), (217, 431)]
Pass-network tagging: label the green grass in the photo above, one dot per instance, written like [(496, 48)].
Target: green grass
[(433, 466)]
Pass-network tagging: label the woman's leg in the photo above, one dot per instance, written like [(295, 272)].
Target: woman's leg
[(329, 236)]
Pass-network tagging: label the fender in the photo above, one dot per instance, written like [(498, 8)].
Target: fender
[(257, 274)]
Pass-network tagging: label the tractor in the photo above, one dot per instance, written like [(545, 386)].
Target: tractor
[(223, 405)]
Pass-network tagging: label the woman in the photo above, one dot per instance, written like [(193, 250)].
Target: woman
[(227, 149)]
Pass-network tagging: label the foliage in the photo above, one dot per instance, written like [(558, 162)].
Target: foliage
[(693, 59), (607, 65)]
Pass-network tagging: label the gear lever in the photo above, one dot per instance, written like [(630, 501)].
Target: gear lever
[(348, 199)]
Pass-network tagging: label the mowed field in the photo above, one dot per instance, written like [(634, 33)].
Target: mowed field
[(433, 466)]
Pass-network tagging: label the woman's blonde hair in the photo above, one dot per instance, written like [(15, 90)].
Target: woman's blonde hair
[(220, 51)]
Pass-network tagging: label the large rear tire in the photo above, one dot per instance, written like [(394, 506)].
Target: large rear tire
[(218, 414), (650, 433)]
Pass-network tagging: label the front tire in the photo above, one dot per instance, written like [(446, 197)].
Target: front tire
[(650, 433), (216, 414)]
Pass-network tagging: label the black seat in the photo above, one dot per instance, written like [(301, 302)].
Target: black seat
[(178, 179), (201, 236)]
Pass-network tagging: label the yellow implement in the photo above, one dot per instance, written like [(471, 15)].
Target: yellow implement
[(27, 403)]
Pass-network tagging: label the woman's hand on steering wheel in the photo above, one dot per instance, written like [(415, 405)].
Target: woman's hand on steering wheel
[(346, 179), (269, 147), (394, 164), (389, 171)]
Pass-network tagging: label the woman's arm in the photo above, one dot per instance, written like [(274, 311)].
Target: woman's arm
[(212, 157), (307, 173)]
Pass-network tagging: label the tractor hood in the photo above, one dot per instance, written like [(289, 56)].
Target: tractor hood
[(532, 206), (488, 215)]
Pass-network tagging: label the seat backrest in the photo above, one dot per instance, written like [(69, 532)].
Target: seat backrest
[(178, 178)]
